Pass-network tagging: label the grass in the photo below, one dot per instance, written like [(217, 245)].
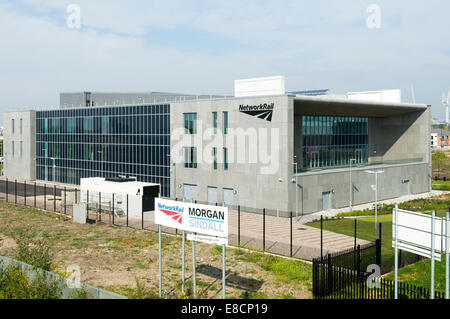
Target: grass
[(419, 274), (441, 185), (125, 260), (366, 230)]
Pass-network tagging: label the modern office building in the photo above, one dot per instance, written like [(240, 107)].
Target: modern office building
[(285, 152), (440, 138)]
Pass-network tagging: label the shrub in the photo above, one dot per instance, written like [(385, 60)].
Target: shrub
[(15, 284), (34, 252)]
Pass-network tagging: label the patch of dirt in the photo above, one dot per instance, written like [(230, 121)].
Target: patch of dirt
[(116, 257), (7, 243)]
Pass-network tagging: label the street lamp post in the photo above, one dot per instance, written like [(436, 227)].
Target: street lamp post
[(174, 178), (375, 188), (296, 192), (351, 186), (296, 186)]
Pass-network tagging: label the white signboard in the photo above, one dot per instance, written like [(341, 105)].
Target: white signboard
[(414, 233), (208, 239), (196, 218)]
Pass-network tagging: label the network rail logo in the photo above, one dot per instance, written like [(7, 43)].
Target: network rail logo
[(262, 111), (174, 212)]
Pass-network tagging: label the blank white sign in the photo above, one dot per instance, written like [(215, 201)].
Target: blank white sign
[(414, 233)]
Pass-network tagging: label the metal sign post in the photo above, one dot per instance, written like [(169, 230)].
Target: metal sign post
[(194, 269), (423, 235), (182, 262), (396, 252), (433, 215), (160, 262), (446, 257), (223, 270), (195, 218)]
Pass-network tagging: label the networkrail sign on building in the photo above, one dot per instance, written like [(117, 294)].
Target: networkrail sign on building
[(202, 219), (262, 111)]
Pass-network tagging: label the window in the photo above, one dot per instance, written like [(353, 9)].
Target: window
[(21, 148), (89, 124), (190, 157), (21, 126), (105, 125), (56, 125), (225, 159), (214, 154), (334, 141), (88, 152), (215, 122), (12, 126), (45, 125), (225, 123), (190, 123), (71, 125), (12, 145)]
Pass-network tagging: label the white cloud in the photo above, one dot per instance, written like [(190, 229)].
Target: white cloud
[(324, 44)]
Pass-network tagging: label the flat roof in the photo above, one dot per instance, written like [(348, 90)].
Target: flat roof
[(321, 105)]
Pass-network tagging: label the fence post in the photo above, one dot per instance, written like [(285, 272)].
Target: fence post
[(87, 203), (25, 193), (290, 222), (15, 191), (264, 229), (34, 194), (54, 198), (65, 192), (127, 210), (100, 206), (239, 225), (142, 221), (378, 252), (358, 257), (112, 209), (45, 196), (7, 189), (321, 238), (329, 285)]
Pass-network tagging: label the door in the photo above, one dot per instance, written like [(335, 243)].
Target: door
[(190, 193), (212, 195), (326, 200), (228, 197), (405, 187)]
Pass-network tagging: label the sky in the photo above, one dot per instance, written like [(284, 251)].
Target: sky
[(201, 47)]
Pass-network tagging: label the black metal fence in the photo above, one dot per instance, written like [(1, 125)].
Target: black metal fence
[(335, 282), (260, 231), (360, 229), (356, 259)]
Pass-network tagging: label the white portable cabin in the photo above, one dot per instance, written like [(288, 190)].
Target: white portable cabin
[(114, 191)]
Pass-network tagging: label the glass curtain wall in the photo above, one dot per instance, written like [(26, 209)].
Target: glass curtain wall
[(330, 141), (105, 142)]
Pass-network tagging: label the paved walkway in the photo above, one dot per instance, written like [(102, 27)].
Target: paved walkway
[(333, 212), (305, 239)]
